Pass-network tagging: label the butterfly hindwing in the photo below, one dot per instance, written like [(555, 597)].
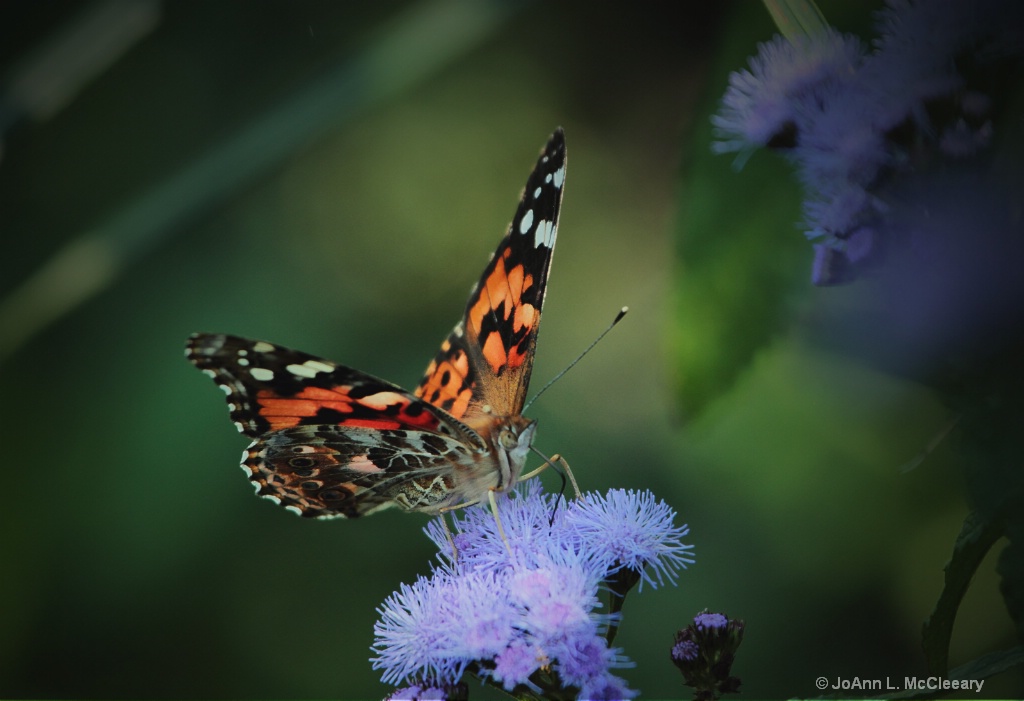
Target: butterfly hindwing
[(484, 365), (329, 471)]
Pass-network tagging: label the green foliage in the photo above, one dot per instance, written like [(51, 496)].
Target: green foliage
[(741, 260)]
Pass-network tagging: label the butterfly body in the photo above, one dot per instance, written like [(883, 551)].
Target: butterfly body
[(331, 441)]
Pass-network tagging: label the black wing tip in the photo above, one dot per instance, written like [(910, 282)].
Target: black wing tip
[(556, 143)]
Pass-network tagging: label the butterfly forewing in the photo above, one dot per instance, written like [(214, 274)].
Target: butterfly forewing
[(484, 365), (270, 387)]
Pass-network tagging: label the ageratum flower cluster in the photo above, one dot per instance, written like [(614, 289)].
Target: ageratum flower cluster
[(705, 651), (854, 119), (525, 613)]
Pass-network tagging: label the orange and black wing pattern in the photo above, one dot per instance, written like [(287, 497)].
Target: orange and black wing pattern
[(270, 387), (330, 441), (483, 367)]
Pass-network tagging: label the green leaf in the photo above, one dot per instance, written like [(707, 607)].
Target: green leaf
[(742, 258)]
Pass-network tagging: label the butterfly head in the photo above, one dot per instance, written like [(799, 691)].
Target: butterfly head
[(511, 441)]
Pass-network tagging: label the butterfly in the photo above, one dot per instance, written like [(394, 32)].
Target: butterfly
[(330, 441)]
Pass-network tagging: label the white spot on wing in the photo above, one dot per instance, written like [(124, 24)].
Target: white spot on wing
[(262, 374), (559, 177), (243, 361), (262, 347), (526, 222), (272, 497), (301, 370), (382, 400), (536, 193), (362, 463), (294, 509), (310, 368), (544, 234)]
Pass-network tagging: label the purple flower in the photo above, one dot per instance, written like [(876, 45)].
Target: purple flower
[(418, 693), (412, 632), (515, 664), (526, 610), (704, 652), (855, 123), (632, 530), (685, 651), (707, 621), (605, 688), (762, 102)]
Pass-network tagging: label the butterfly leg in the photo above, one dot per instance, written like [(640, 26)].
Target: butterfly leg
[(494, 510), (448, 531), (448, 535), (497, 519)]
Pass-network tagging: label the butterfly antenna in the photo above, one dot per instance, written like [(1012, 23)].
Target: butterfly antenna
[(553, 380), (550, 462)]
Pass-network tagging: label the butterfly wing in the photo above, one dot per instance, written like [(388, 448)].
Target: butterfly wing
[(330, 470), (484, 366), (271, 387), (332, 441), (329, 440)]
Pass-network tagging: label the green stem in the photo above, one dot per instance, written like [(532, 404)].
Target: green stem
[(618, 586), (977, 536)]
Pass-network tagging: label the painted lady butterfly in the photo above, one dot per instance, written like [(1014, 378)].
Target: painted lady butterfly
[(331, 441)]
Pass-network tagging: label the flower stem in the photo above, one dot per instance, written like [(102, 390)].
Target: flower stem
[(977, 536), (619, 585)]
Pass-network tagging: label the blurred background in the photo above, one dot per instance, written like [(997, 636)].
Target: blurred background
[(332, 177)]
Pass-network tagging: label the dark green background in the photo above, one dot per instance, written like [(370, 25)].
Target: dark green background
[(134, 560)]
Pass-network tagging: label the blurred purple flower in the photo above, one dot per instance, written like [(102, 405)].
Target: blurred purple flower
[(762, 103), (855, 122)]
